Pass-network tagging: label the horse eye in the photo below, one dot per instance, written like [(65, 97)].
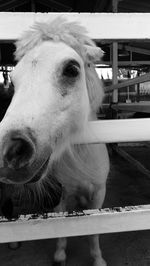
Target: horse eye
[(71, 69)]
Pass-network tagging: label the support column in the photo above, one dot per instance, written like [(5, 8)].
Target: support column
[(115, 58), (138, 89), (115, 70)]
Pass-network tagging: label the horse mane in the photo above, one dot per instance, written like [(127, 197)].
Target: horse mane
[(75, 36)]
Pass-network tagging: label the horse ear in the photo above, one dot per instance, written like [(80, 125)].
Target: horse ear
[(94, 87), (95, 90), (93, 53)]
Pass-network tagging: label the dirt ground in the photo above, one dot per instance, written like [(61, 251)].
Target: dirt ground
[(125, 186)]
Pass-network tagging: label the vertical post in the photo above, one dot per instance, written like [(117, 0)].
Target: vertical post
[(128, 95), (115, 70), (138, 89), (115, 57)]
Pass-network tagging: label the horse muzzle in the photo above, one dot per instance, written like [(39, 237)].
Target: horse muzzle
[(22, 175), (21, 159), (18, 149)]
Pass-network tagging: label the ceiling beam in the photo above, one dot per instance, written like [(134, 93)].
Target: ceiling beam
[(124, 63), (56, 5), (134, 49), (7, 6)]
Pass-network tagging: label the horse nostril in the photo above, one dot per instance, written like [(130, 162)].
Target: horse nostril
[(17, 152)]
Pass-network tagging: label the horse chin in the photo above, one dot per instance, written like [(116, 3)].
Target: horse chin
[(40, 173), (23, 176)]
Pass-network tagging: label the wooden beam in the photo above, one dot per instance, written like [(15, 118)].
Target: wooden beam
[(114, 58), (134, 49), (54, 225), (112, 26), (129, 82)]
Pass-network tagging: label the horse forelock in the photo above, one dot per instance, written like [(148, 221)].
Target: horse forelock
[(71, 33), (75, 36)]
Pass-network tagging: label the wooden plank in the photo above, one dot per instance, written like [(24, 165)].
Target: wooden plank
[(111, 26), (54, 225), (111, 131), (129, 82)]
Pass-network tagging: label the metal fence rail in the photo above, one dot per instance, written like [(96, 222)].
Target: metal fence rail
[(53, 225)]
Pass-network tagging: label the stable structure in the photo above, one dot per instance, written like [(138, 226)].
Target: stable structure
[(114, 27)]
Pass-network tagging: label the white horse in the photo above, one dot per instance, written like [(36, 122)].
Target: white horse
[(56, 93)]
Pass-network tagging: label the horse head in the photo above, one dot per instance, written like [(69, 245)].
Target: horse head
[(56, 92)]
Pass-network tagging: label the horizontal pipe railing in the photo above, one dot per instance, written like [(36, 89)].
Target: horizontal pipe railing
[(89, 222), (126, 26), (119, 130)]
